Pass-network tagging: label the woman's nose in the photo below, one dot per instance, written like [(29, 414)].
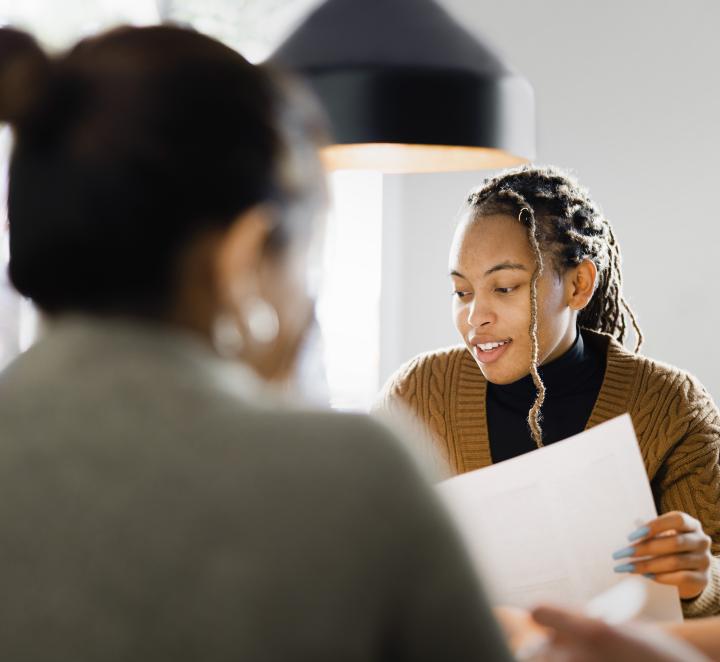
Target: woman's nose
[(479, 313)]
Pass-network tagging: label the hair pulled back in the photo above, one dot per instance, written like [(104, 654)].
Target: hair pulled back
[(131, 144)]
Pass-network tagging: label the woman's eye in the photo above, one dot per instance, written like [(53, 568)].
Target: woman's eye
[(504, 290), (460, 294)]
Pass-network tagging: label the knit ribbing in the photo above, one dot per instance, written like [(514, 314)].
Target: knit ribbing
[(675, 420), (471, 437)]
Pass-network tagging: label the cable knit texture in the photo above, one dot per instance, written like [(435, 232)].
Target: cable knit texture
[(676, 422)]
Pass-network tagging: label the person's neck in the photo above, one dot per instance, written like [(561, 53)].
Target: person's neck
[(195, 302), (566, 342)]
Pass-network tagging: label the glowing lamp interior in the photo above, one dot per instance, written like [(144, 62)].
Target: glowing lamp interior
[(396, 158)]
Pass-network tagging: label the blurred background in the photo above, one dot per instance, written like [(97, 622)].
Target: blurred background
[(628, 98)]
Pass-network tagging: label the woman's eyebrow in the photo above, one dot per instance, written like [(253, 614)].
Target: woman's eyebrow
[(498, 267), (505, 265)]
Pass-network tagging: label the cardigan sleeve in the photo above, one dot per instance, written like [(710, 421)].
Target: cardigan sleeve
[(690, 478)]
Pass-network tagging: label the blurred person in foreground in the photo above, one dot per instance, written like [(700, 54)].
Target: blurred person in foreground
[(156, 502)]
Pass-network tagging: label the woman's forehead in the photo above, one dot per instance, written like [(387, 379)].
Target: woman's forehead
[(481, 242)]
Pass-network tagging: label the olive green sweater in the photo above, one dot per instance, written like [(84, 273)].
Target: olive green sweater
[(675, 419)]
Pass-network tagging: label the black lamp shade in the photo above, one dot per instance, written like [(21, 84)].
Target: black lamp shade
[(409, 89)]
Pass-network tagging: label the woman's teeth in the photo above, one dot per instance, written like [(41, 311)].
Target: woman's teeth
[(489, 346)]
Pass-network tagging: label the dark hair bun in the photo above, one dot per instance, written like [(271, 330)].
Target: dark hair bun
[(24, 70)]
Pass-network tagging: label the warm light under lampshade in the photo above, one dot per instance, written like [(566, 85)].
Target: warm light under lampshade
[(396, 158)]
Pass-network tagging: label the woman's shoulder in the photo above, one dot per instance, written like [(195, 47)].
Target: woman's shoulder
[(656, 372), (650, 384)]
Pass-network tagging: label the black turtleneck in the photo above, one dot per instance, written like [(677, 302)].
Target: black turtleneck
[(572, 384)]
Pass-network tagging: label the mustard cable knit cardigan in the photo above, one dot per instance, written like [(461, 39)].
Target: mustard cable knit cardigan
[(675, 419)]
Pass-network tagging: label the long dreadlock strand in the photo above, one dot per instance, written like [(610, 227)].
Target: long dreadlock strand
[(615, 247), (534, 415)]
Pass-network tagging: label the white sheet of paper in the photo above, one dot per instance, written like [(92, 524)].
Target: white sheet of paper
[(542, 527)]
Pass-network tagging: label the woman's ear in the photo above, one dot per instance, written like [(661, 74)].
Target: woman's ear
[(581, 284), (240, 252)]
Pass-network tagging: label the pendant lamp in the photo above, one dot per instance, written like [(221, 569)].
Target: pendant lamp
[(409, 89)]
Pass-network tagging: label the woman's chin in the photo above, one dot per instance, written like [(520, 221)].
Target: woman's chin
[(505, 367), (500, 375)]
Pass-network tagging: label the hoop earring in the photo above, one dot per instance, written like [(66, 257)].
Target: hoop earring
[(263, 323)]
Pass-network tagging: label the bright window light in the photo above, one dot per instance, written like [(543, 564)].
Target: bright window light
[(10, 302), (349, 303)]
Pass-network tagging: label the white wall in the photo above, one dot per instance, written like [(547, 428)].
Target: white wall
[(628, 96)]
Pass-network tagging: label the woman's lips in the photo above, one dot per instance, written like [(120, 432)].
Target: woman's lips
[(491, 356)]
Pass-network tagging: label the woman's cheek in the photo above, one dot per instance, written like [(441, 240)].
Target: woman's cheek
[(515, 313), (459, 316)]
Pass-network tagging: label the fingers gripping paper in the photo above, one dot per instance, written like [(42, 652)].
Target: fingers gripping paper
[(542, 527)]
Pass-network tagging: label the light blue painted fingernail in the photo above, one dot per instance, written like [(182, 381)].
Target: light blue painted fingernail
[(649, 575), (624, 553), (639, 533), (627, 567)]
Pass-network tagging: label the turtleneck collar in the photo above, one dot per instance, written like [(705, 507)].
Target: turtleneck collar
[(563, 375), (572, 384)]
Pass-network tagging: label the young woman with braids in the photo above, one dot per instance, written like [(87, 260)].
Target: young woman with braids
[(538, 302)]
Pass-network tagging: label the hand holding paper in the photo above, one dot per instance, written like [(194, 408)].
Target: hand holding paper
[(672, 549), (543, 526)]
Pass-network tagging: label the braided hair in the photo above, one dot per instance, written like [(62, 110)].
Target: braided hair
[(567, 227)]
